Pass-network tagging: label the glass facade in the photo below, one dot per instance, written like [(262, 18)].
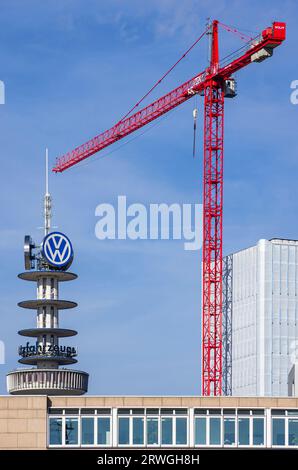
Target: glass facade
[(71, 431), (293, 432), (123, 426), (243, 431), (278, 432), (189, 427), (138, 431), (181, 431), (55, 425), (200, 431), (214, 435), (103, 431), (167, 431), (229, 431), (258, 431), (152, 431), (87, 430)]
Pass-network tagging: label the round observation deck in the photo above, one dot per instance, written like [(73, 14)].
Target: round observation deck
[(58, 332), (61, 276), (59, 304), (37, 358), (47, 382)]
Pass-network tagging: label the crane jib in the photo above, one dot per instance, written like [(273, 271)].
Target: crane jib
[(256, 51)]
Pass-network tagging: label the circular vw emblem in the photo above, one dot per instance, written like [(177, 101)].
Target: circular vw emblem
[(57, 250)]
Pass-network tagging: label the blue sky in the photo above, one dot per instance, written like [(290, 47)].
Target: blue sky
[(71, 69)]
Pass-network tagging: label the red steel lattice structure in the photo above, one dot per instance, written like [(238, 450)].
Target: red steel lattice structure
[(213, 84), (212, 241), (212, 228)]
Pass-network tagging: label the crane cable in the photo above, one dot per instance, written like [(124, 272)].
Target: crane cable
[(195, 110), (165, 75), (232, 29), (119, 147), (195, 115)]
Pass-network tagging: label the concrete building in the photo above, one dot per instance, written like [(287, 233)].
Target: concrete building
[(260, 318), (43, 422)]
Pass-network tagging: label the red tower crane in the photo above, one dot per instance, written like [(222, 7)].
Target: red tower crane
[(215, 83)]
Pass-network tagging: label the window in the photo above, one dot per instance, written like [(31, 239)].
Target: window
[(55, 431), (152, 411), (243, 411), (229, 431), (278, 432), (87, 411), (243, 431), (167, 431), (258, 431), (123, 411), (87, 431), (138, 411), (71, 411), (200, 411), (103, 411), (181, 431), (278, 412), (166, 411), (104, 431), (214, 434), (123, 430), (55, 411), (293, 432), (138, 431), (152, 431), (181, 411), (200, 431), (71, 431), (292, 412)]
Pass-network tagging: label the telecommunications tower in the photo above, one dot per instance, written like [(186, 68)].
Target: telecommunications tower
[(47, 264)]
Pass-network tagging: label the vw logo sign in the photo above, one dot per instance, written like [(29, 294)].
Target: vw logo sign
[(57, 250)]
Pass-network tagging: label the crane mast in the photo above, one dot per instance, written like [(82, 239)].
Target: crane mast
[(212, 227), (216, 84)]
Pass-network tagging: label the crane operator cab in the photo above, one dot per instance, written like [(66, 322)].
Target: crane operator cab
[(230, 88)]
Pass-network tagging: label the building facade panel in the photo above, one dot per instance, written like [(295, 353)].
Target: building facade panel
[(23, 422), (265, 317)]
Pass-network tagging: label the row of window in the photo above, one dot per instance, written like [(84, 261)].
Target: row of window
[(170, 411), (66, 431), (166, 431)]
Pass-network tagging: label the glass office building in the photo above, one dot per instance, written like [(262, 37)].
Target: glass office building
[(260, 318)]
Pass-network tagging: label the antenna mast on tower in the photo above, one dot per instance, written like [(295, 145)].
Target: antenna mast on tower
[(47, 200)]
